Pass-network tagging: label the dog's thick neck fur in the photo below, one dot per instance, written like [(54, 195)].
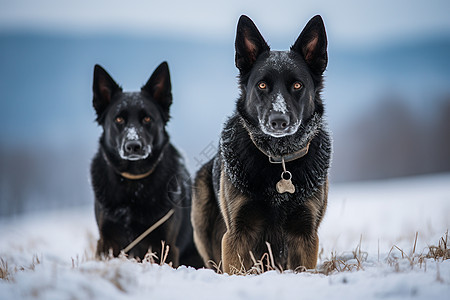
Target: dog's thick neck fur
[(141, 175), (250, 170), (282, 146), (121, 167)]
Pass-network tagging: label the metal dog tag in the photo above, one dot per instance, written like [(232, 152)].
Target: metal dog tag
[(285, 185)]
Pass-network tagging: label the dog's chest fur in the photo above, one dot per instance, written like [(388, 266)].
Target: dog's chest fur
[(131, 201), (250, 171)]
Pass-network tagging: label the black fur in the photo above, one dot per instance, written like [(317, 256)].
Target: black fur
[(279, 112), (134, 141), (251, 172)]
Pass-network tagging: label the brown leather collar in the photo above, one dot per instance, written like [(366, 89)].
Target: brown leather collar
[(137, 176), (279, 159), (288, 157)]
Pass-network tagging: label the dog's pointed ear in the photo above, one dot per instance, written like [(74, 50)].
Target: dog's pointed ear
[(160, 88), (249, 44), (104, 87), (312, 45)]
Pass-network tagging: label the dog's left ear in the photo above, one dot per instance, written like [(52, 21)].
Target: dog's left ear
[(312, 45), (160, 88)]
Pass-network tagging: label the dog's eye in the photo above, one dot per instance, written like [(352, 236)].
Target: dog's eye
[(297, 85), (262, 85), (146, 120), (119, 120)]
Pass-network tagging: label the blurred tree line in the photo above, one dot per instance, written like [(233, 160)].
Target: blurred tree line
[(393, 140)]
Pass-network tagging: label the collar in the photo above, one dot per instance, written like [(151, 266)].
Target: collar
[(137, 176), (131, 176), (279, 159)]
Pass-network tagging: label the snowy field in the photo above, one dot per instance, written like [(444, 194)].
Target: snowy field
[(365, 230)]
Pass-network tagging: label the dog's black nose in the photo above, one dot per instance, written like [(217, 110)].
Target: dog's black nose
[(278, 121), (133, 147)]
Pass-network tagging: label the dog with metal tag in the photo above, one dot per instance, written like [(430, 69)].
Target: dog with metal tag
[(268, 183)]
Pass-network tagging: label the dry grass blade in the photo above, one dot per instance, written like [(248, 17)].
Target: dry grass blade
[(217, 267), (164, 253), (272, 261), (415, 243), (149, 230), (34, 261), (4, 271), (359, 255)]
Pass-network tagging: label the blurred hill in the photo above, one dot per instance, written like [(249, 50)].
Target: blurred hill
[(388, 107)]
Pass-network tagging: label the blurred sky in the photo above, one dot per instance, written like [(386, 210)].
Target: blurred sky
[(347, 21)]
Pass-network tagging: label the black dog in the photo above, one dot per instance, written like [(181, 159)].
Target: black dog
[(268, 182), (137, 175)]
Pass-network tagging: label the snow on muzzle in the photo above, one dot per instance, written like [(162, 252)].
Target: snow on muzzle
[(133, 146)]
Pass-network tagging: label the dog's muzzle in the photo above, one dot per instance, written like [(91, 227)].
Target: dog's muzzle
[(134, 150), (279, 125)]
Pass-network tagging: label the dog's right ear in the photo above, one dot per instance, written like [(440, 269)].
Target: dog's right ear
[(249, 44), (104, 88)]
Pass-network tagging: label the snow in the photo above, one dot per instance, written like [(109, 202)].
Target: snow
[(279, 104), (132, 134), (280, 59), (49, 255)]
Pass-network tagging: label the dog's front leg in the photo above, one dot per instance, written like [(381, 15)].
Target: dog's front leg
[(236, 253), (243, 227), (303, 251)]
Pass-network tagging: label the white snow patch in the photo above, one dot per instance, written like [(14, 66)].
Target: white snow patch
[(280, 59), (380, 213), (132, 134), (279, 104)]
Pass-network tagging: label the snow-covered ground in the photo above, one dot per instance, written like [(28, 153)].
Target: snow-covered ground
[(49, 255)]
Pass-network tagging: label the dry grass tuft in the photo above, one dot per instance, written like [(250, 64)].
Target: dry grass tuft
[(264, 264), (442, 251), (344, 262), (347, 261), (6, 273), (394, 259), (337, 263), (4, 270), (438, 253), (150, 257)]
